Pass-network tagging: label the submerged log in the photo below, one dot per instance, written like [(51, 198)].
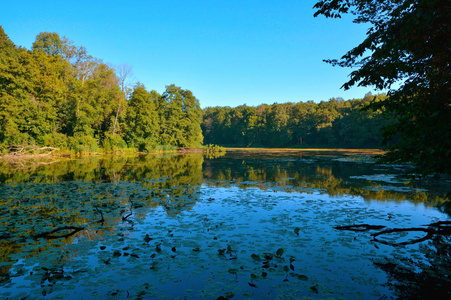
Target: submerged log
[(360, 227)]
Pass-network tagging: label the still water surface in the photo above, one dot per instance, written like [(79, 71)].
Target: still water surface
[(248, 225)]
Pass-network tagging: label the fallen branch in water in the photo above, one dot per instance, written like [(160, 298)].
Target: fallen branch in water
[(125, 218), (101, 214), (439, 224), (360, 227), (131, 207), (441, 228), (49, 235), (430, 233)]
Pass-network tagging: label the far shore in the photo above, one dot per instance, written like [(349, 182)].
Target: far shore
[(55, 155), (300, 150)]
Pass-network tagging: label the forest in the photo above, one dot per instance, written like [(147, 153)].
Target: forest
[(57, 95), (333, 124)]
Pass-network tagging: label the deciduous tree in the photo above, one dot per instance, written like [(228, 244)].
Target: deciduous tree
[(407, 51), (142, 119), (180, 118)]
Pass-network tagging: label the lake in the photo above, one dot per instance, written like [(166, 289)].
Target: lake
[(244, 225)]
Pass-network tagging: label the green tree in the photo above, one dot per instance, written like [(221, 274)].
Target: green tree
[(303, 123), (33, 93), (13, 92), (95, 104), (216, 125), (279, 134), (180, 118), (358, 128), (50, 43), (142, 119), (407, 45)]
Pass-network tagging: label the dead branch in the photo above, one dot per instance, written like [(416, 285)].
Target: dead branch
[(25, 149), (49, 234), (131, 207), (119, 151), (440, 228), (429, 234), (46, 163), (439, 223), (101, 214)]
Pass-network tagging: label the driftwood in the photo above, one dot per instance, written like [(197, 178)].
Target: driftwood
[(25, 149), (437, 228), (429, 234), (50, 234)]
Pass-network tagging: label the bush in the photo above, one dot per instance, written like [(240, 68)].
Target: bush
[(165, 148), (83, 144), (112, 143), (210, 148), (54, 139)]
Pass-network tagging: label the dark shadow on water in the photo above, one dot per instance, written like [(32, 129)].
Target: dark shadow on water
[(428, 278)]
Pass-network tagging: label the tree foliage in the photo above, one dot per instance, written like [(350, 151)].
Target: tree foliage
[(180, 117), (406, 50), (143, 126), (58, 95), (332, 124), (50, 43)]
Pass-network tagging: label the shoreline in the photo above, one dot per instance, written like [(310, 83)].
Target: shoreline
[(10, 156)]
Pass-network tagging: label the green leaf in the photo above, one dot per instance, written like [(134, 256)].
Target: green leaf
[(299, 276), (233, 271), (256, 257)]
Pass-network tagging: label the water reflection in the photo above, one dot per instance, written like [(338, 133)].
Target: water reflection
[(152, 198), (330, 173)]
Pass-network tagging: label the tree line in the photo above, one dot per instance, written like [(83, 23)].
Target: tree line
[(56, 94), (332, 124)]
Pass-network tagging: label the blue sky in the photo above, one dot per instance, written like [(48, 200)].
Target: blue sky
[(226, 52)]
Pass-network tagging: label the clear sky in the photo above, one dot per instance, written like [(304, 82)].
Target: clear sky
[(228, 53)]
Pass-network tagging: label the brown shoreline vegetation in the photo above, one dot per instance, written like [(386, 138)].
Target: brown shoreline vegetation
[(300, 150), (29, 156), (30, 152)]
